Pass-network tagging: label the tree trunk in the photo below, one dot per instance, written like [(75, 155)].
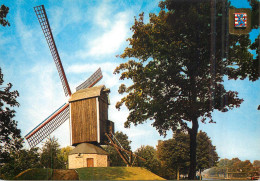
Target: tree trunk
[(193, 146), (178, 173), (200, 174)]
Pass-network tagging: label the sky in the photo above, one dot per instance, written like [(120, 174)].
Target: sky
[(89, 35)]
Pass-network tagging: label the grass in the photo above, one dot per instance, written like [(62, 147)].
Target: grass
[(35, 174), (90, 173), (116, 173)]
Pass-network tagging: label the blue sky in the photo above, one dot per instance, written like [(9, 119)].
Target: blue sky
[(89, 34)]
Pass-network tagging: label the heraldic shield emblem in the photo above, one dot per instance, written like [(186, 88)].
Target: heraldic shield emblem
[(239, 21)]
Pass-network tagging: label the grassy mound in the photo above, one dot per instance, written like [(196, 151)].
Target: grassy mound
[(91, 173), (116, 173), (35, 174), (47, 174)]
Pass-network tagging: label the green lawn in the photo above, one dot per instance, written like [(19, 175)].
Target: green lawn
[(93, 173), (116, 173)]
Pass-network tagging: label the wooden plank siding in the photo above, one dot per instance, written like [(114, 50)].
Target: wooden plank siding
[(84, 121), (103, 115)]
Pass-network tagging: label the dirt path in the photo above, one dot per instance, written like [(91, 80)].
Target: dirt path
[(64, 175)]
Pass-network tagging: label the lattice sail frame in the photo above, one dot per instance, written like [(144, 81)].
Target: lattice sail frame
[(46, 127), (91, 81), (50, 124), (43, 20)]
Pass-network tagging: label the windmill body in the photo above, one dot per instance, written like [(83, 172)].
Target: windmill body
[(89, 115), (87, 109)]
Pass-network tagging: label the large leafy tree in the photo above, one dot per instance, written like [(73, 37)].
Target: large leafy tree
[(63, 155), (177, 70), (152, 162), (115, 159), (206, 152), (49, 157), (19, 161), (10, 138), (9, 133), (175, 152)]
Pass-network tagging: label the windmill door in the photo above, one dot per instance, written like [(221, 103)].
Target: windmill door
[(90, 162)]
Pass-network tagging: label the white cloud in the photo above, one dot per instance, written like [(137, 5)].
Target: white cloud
[(27, 37), (4, 39), (103, 12), (111, 29), (42, 96), (60, 17), (110, 41)]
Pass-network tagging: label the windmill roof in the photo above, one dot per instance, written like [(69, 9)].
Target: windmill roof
[(88, 93), (87, 148)]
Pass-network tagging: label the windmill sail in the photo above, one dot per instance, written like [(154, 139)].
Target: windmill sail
[(43, 20), (50, 124), (91, 81)]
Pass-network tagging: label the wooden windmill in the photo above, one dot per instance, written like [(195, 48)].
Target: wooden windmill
[(87, 110), (87, 107)]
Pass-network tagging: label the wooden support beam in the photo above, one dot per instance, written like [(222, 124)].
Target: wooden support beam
[(131, 153), (129, 162), (112, 143)]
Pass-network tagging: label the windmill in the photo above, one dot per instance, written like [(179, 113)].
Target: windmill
[(63, 113), (87, 110)]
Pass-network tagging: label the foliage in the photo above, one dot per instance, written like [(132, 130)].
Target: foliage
[(10, 138), (250, 69), (49, 157), (20, 160), (115, 159), (256, 163), (255, 13), (206, 152), (174, 153), (3, 13), (176, 78), (63, 155), (233, 165), (149, 154)]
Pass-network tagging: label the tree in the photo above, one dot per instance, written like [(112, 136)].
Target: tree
[(175, 152), (177, 71), (63, 155), (256, 163), (255, 13), (9, 133), (206, 152), (19, 161), (49, 157), (115, 159), (3, 13), (235, 165), (149, 154)]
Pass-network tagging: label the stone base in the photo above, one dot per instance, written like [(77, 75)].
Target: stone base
[(87, 155)]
